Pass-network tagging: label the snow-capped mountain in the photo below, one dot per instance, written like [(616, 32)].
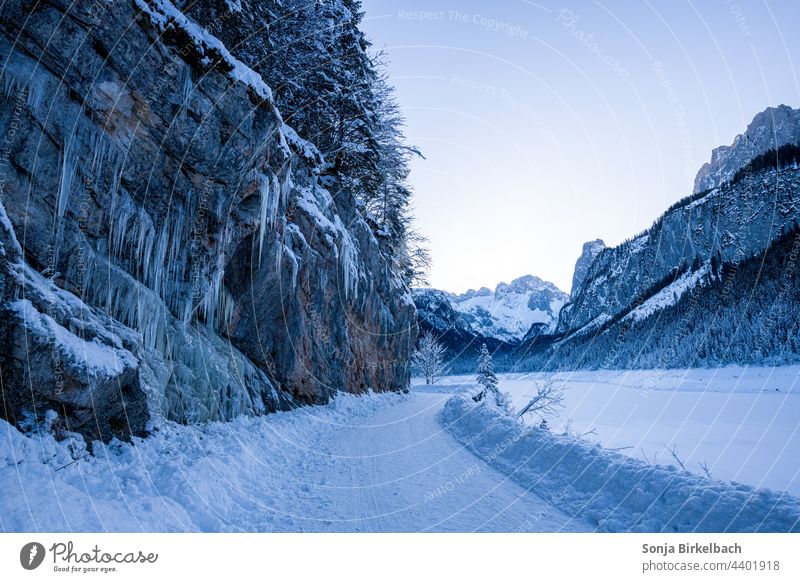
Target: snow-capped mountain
[(505, 314), (704, 283), (509, 312), (528, 306)]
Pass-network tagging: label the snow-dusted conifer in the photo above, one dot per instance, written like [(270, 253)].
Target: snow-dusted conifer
[(487, 379), (485, 373)]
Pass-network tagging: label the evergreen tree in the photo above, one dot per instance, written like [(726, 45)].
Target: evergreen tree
[(488, 380), (485, 372), (334, 91)]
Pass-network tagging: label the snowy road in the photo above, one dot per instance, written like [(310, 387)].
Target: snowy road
[(396, 470), (362, 464)]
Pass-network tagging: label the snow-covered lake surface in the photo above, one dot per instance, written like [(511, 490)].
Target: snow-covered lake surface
[(743, 422)]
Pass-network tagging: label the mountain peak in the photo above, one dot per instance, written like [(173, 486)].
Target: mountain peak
[(508, 312), (769, 129), (589, 253)]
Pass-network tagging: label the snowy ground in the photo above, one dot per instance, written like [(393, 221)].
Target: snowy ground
[(613, 492), (398, 463), (380, 463), (743, 422)]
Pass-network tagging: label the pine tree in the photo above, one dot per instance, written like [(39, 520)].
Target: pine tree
[(487, 378), (428, 358)]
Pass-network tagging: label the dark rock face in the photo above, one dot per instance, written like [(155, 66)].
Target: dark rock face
[(772, 128), (588, 254), (160, 210)]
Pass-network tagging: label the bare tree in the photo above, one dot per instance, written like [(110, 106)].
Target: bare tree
[(548, 400), (428, 358)]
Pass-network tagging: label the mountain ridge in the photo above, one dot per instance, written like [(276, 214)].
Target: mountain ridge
[(697, 241), (507, 313)]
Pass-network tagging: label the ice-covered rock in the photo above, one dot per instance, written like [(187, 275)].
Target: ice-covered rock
[(151, 179)]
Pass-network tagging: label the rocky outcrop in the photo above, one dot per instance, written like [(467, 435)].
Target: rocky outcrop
[(588, 254), (772, 128), (176, 249)]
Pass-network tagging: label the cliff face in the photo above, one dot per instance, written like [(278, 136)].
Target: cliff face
[(588, 254), (172, 248)]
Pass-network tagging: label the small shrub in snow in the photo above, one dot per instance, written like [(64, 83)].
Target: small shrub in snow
[(549, 399)]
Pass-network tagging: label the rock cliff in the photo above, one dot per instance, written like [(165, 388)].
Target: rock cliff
[(170, 245)]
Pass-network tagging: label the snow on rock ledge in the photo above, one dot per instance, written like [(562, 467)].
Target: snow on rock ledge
[(611, 491)]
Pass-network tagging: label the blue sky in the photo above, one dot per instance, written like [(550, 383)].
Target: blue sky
[(549, 124)]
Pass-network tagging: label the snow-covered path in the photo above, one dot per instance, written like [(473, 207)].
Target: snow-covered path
[(378, 463), (397, 470)]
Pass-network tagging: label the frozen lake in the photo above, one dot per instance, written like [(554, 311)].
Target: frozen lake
[(743, 422)]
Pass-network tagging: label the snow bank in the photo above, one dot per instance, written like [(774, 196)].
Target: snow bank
[(249, 474), (611, 491), (740, 421)]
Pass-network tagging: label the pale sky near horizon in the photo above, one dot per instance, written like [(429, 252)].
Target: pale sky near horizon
[(545, 125)]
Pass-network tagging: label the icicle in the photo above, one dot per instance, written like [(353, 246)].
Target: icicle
[(122, 210), (68, 167), (28, 81), (185, 79), (348, 258), (278, 257), (270, 201), (287, 185)]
